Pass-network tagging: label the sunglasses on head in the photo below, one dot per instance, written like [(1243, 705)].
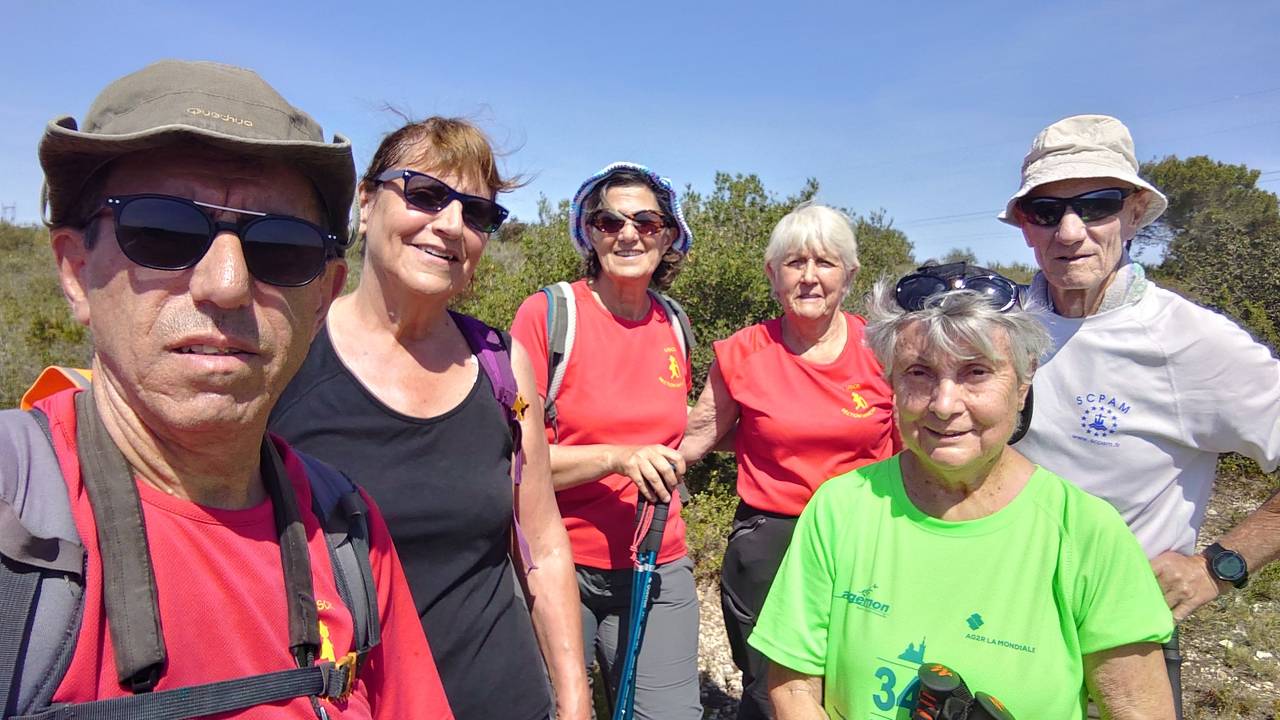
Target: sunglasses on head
[(1090, 206), (164, 232), (915, 291), (432, 195), (647, 222)]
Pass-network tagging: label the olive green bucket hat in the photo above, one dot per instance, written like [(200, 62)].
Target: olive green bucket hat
[(173, 102)]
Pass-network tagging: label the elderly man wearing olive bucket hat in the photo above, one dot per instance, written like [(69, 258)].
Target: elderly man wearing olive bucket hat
[(1145, 388), (163, 556)]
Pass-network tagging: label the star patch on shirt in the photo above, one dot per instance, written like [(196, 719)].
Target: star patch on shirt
[(519, 406)]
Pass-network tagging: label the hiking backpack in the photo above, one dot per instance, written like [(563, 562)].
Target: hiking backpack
[(562, 328), (42, 566)]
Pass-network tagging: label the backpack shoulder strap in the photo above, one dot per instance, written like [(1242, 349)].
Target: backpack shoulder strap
[(562, 326), (41, 581), (344, 516), (679, 319), (493, 350)]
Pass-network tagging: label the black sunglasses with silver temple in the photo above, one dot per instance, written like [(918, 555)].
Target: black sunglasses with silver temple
[(165, 232), (433, 195)]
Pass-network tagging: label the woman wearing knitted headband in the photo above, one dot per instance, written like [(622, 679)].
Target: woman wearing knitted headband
[(616, 408)]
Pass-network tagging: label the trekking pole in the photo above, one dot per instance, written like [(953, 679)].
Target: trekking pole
[(651, 520)]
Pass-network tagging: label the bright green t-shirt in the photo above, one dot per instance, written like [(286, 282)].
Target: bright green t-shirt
[(871, 587)]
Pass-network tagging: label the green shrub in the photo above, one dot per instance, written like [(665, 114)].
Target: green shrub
[(708, 517), (36, 327)]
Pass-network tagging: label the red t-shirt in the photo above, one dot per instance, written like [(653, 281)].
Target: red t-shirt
[(221, 597), (803, 422), (626, 383)]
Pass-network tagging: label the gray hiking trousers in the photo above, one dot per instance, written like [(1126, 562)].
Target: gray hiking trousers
[(667, 669)]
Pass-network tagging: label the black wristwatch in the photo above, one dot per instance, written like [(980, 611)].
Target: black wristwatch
[(1227, 565)]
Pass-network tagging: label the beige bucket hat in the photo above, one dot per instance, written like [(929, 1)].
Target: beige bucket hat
[(1084, 146), (173, 102)]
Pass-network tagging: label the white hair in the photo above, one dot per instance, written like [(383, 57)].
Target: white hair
[(816, 228)]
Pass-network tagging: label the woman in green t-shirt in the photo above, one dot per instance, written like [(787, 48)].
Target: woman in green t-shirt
[(958, 550)]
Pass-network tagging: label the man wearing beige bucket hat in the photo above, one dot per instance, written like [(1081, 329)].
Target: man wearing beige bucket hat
[(1144, 388), (163, 555)]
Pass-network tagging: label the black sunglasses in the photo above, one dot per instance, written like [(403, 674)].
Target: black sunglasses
[(432, 195), (1090, 206), (915, 291), (647, 222), (164, 232)]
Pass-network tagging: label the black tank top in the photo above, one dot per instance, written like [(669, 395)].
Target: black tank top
[(444, 486)]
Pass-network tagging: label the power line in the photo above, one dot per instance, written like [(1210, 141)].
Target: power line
[(897, 159), (927, 220), (1217, 101)]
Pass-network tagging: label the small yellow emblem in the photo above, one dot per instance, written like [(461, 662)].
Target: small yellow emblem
[(326, 644), (519, 406)]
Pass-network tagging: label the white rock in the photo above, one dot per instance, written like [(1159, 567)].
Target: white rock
[(1226, 644), (1263, 655)]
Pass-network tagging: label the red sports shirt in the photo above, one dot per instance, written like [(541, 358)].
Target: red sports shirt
[(802, 422), (220, 587), (626, 383)]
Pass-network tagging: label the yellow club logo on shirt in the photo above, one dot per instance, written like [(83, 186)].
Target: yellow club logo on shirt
[(674, 378), (861, 408)]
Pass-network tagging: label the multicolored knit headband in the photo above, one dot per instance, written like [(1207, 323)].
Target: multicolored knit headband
[(578, 223)]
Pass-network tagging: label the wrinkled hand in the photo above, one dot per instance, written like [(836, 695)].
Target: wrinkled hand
[(655, 469), (1186, 582)]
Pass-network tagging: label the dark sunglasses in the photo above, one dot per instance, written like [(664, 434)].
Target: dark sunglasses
[(914, 291), (1090, 206), (164, 232), (647, 222), (427, 193)]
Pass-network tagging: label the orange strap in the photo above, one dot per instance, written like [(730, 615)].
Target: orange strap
[(55, 379)]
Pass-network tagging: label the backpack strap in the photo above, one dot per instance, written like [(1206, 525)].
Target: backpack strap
[(22, 609), (344, 516), (679, 320), (683, 330), (129, 594), (42, 572), (128, 585), (17, 603), (195, 701), (562, 327), (492, 350)]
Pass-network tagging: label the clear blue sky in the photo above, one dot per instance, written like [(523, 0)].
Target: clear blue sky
[(924, 109)]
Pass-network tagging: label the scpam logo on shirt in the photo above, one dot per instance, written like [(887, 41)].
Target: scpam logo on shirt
[(861, 408), (673, 377), (1100, 415)]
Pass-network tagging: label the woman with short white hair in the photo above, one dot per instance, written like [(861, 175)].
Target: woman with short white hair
[(808, 402), (958, 559)]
